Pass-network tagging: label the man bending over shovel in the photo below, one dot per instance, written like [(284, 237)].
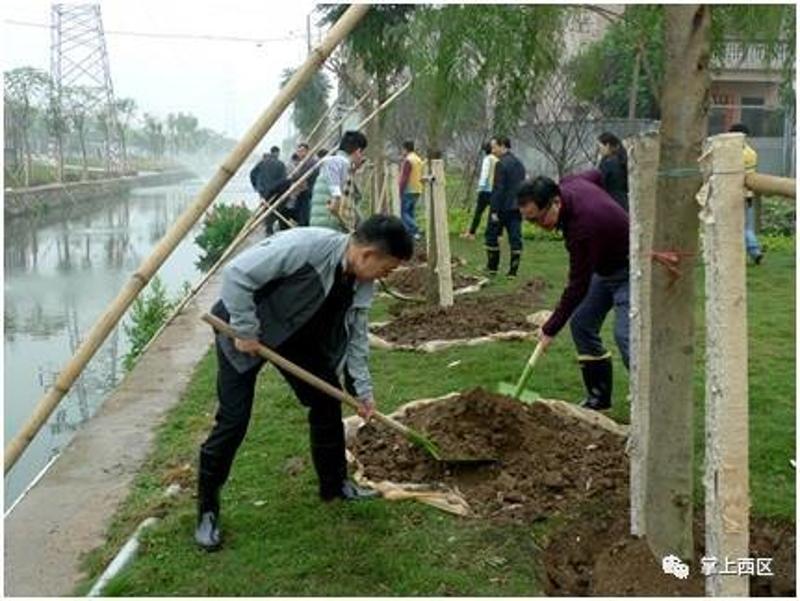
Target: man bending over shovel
[(595, 232), (305, 293)]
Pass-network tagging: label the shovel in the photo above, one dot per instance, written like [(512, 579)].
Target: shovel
[(412, 436), (517, 391)]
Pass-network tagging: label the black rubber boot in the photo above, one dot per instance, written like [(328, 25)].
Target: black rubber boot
[(598, 378), (207, 534), (513, 265), (492, 261), (209, 483), (328, 457), (350, 491)]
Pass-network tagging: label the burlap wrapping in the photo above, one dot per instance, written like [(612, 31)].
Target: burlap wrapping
[(457, 292), (431, 346), (437, 494)]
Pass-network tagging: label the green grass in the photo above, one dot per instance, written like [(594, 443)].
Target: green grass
[(281, 541)]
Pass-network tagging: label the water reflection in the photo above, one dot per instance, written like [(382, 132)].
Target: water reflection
[(61, 271)]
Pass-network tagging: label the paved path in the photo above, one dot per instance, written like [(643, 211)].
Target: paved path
[(68, 511)]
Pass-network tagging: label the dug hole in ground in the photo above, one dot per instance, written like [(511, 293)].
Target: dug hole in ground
[(560, 468)]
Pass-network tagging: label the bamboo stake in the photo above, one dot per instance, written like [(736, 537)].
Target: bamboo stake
[(265, 211), (322, 119), (761, 183), (106, 323)]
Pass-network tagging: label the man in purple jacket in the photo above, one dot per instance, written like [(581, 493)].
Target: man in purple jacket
[(595, 232)]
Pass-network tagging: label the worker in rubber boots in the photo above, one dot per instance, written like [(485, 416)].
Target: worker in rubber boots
[(595, 230), (504, 214), (304, 293)]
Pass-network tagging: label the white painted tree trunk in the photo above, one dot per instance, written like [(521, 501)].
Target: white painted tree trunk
[(643, 165), (394, 190), (444, 273), (726, 460)]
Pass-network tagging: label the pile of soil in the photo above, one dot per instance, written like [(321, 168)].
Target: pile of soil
[(555, 466), (594, 554), (471, 316), (413, 281), (547, 462)]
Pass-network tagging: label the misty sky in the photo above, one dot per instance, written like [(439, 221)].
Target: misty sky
[(225, 84)]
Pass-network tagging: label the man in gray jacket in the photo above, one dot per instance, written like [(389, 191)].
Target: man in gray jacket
[(305, 293)]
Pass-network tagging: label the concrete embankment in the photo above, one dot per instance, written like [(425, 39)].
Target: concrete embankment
[(40, 200), (68, 511)]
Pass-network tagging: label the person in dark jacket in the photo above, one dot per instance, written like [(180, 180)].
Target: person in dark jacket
[(595, 232), (305, 293), (303, 202), (504, 213), (265, 177), (614, 168)]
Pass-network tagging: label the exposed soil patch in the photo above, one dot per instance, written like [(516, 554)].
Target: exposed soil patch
[(594, 554), (413, 281), (555, 468), (470, 317), (548, 462)]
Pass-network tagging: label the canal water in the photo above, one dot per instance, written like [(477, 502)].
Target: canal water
[(60, 274)]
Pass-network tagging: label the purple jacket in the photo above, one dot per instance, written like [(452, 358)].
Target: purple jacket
[(595, 232)]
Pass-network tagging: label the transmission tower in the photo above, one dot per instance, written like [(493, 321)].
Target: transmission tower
[(79, 60)]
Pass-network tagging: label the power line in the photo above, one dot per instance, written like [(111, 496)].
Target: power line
[(185, 36)]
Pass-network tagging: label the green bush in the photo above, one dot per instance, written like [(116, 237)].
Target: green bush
[(777, 217), (220, 227), (150, 310)]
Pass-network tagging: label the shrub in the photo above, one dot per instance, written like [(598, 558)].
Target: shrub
[(777, 217), (220, 227), (150, 309)]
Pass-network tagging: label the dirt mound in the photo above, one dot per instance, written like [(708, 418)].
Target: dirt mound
[(413, 281), (594, 554), (548, 462), (471, 316), (558, 469)]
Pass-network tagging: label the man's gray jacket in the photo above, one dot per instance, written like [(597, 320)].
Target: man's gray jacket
[(274, 287)]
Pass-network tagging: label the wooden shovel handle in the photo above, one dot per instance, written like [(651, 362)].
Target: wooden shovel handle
[(306, 376)]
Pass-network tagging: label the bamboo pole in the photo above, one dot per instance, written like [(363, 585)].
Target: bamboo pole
[(265, 211), (106, 323), (761, 183), (251, 223), (727, 498)]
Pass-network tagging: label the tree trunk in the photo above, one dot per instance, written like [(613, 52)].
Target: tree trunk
[(82, 140), (634, 85), (684, 102), (28, 167)]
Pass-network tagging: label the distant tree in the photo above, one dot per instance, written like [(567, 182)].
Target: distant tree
[(77, 103), (126, 111), (25, 91), (154, 135), (311, 103)]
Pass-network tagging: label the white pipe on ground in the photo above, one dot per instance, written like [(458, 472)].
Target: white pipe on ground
[(123, 558)]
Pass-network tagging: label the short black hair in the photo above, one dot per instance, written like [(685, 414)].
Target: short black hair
[(321, 153), (303, 145), (541, 190), (352, 141), (388, 234), (275, 150), (486, 147), (740, 128), (502, 141), (408, 145), (294, 157), (609, 139)]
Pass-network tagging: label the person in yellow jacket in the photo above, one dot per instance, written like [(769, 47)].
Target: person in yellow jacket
[(750, 165), (410, 187)]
